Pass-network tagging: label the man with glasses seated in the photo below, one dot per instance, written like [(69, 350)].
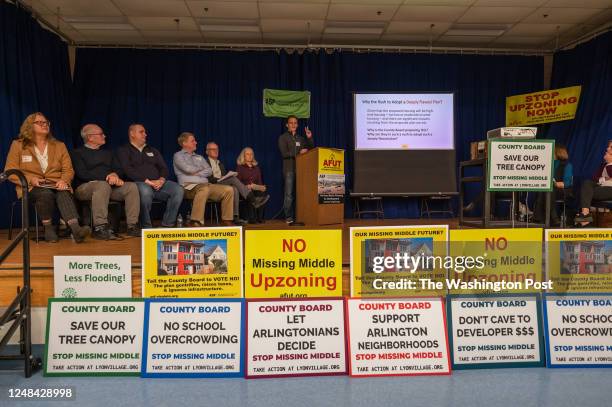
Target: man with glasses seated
[(97, 180)]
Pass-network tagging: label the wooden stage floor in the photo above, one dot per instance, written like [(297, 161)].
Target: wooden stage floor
[(41, 255)]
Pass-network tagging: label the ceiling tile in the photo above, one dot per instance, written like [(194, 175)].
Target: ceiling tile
[(439, 2), (369, 2), (85, 8), (164, 23), (521, 40), (535, 30), (345, 12), (152, 8), (349, 39), (293, 1), (495, 15), (291, 26), (416, 27), (173, 36), (510, 3), (429, 13), (232, 37), (405, 39), (223, 9), (459, 40), (580, 3), (290, 38), (561, 15), (290, 10), (115, 35)]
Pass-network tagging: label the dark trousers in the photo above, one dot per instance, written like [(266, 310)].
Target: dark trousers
[(590, 191), (289, 196), (45, 201), (540, 205), (253, 214)]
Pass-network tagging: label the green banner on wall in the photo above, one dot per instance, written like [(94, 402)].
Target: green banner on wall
[(283, 103)]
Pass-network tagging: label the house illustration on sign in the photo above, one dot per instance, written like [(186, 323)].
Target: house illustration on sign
[(581, 257), (183, 257)]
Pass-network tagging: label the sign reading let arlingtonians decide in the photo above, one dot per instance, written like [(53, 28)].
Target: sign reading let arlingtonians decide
[(293, 263), (520, 165)]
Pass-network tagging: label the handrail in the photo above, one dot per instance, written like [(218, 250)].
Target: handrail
[(20, 309)]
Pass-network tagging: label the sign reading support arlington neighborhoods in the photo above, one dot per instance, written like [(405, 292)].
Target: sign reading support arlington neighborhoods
[(542, 107), (94, 337), (579, 260), (192, 263), (293, 263), (193, 338), (284, 103), (393, 261), (518, 165), (495, 331), (295, 337), (92, 276), (396, 337)]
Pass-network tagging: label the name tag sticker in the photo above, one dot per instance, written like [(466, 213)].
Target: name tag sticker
[(26, 158), (297, 144), (199, 158), (150, 154)]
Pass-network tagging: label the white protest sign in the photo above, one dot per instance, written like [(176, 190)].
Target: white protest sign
[(578, 330), (520, 165), (397, 337), (193, 338), (92, 276), (297, 337), (495, 331), (94, 337)]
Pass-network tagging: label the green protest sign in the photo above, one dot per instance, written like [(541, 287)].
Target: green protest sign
[(283, 103)]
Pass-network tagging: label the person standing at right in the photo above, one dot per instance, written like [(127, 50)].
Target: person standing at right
[(291, 144)]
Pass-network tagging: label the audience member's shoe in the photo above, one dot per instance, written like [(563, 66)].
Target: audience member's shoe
[(256, 187), (261, 221), (227, 223), (79, 233), (260, 201), (289, 221), (252, 221), (194, 224), (469, 207), (50, 235), (104, 232), (134, 231), (239, 222)]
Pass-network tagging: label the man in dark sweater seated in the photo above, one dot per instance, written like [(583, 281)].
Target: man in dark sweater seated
[(145, 166), (97, 180)]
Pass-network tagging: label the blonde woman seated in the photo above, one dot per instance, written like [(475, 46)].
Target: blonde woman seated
[(249, 174), (46, 165)]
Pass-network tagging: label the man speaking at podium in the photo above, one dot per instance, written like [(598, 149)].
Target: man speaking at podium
[(291, 144)]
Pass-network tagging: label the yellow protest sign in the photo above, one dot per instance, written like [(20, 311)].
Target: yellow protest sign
[(192, 263), (507, 261), (579, 260), (293, 263), (398, 261), (542, 107)]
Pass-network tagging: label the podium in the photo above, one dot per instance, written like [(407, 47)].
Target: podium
[(310, 209)]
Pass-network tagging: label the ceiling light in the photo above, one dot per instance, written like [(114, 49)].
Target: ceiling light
[(354, 27), (228, 25), (486, 30)]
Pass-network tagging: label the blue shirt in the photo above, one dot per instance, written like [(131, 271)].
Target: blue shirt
[(190, 168), (568, 174)]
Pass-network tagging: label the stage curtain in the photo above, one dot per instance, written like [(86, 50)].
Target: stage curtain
[(218, 96), (586, 137), (34, 76)]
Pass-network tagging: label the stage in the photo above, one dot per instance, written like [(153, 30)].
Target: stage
[(41, 255)]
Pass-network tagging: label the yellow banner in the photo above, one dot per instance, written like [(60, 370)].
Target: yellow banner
[(385, 261), (507, 261), (579, 260), (293, 263), (192, 263), (542, 107), (331, 161)]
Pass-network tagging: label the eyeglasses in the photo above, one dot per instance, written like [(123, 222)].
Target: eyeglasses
[(96, 134), (43, 123)]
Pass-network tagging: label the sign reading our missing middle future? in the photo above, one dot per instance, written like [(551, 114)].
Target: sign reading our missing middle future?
[(293, 263)]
